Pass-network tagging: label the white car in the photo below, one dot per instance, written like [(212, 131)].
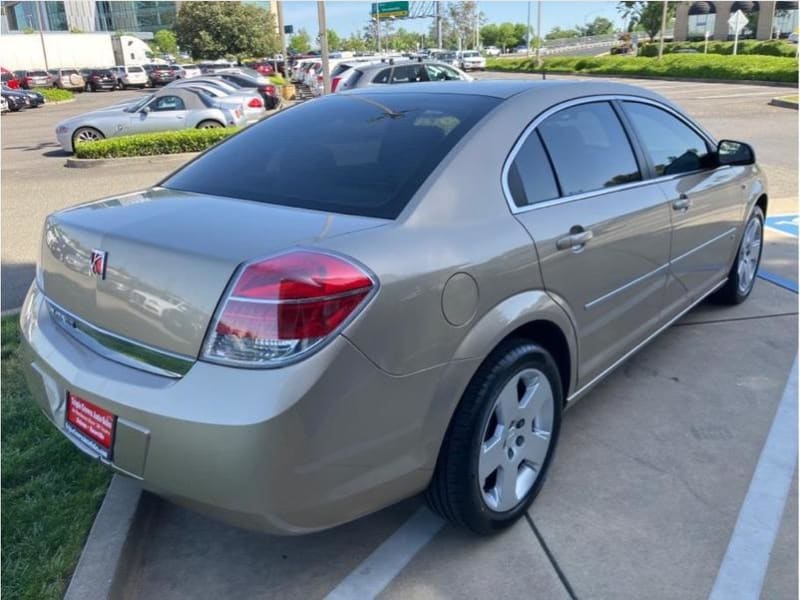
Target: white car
[(188, 71), (491, 51), (3, 105), (471, 60), (130, 76)]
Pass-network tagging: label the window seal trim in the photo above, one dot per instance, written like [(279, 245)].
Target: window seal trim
[(574, 197)]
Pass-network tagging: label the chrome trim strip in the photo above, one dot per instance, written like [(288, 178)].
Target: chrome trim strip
[(120, 349), (643, 343), (622, 288), (626, 186), (730, 231)]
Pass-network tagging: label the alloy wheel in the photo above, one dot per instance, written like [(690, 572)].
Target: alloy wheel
[(749, 255)]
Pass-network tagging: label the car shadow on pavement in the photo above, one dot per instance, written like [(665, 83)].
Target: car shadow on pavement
[(16, 277)]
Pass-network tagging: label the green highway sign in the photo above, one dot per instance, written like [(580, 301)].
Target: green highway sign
[(390, 9)]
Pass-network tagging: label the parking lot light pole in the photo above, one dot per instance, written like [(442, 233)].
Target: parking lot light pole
[(663, 27), (323, 46)]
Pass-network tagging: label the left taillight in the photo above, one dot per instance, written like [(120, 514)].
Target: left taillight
[(255, 103), (282, 308)]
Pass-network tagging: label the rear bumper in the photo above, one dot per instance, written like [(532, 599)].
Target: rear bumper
[(288, 451)]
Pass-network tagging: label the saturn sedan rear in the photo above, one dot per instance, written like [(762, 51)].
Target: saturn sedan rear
[(291, 348)]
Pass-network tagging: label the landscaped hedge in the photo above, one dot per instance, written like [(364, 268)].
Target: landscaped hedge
[(763, 48), (690, 66), (54, 94), (149, 144)]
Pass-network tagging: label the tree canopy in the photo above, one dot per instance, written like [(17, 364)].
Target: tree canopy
[(300, 42), (215, 29), (505, 35), (644, 15), (164, 41)]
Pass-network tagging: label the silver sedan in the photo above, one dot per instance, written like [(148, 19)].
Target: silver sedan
[(166, 110)]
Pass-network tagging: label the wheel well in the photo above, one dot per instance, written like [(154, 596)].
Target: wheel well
[(549, 335), (762, 203)]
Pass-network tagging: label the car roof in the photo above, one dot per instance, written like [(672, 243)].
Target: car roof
[(190, 98), (506, 88)]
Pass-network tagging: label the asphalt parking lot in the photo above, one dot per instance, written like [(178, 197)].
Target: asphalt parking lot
[(653, 470)]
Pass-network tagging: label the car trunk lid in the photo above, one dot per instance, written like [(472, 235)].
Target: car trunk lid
[(168, 258)]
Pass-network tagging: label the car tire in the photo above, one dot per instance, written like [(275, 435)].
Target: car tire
[(743, 273), (86, 134), (209, 124), (509, 416)]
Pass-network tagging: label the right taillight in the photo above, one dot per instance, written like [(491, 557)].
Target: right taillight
[(334, 83), (283, 307), (255, 103)]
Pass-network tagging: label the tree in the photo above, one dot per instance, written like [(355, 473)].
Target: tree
[(600, 26), (334, 41), (646, 15), (300, 42), (354, 43), (164, 41), (556, 33), (214, 29)]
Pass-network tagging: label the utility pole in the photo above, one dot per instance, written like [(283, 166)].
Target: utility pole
[(439, 25), (528, 32), (378, 24), (663, 27), (282, 33), (477, 26), (538, 31), (41, 33), (323, 46)]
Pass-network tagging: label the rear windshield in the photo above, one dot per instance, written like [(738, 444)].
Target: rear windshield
[(37, 73), (69, 71), (354, 154), (135, 69)]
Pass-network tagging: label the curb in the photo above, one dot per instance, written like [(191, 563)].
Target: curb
[(90, 163), (103, 565), (655, 77), (10, 312), (55, 102), (783, 103)]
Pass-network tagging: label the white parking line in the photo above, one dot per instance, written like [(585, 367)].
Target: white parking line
[(742, 572), (377, 570)]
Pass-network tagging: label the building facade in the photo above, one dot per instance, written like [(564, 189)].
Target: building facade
[(765, 20)]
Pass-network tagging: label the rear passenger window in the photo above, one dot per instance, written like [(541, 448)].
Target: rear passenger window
[(589, 148), (531, 178), (382, 77), (672, 146)]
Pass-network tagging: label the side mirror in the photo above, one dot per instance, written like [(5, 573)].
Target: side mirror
[(730, 152), (145, 110)]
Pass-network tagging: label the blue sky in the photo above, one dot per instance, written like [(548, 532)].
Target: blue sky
[(348, 16)]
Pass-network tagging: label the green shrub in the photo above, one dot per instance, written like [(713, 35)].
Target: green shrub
[(691, 66), (762, 48), (277, 79), (149, 144), (55, 94)]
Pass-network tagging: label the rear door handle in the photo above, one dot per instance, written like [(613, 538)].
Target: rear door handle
[(575, 241), (682, 204)]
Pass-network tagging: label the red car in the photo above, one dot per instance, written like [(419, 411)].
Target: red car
[(9, 78)]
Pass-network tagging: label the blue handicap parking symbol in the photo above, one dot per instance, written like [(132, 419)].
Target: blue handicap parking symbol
[(787, 224)]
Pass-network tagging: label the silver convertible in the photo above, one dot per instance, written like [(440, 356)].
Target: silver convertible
[(166, 110), (290, 348)]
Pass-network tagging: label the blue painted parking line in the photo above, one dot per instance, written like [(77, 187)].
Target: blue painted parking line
[(786, 224), (787, 284)]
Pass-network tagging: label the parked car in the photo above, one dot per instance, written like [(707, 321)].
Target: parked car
[(491, 51), (188, 71), (36, 78), (99, 79), (378, 74), (251, 102), (67, 79), (448, 58), (331, 340), (471, 60), (160, 74), (9, 79), (35, 99), (3, 105), (267, 89), (15, 99), (166, 110), (133, 76)]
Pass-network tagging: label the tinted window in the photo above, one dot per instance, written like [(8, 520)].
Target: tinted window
[(589, 148), (359, 154), (168, 103), (673, 147), (135, 70), (382, 77), (409, 74), (531, 177), (442, 73)]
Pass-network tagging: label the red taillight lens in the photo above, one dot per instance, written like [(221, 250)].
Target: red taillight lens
[(270, 89), (334, 83), (284, 306), (255, 103)]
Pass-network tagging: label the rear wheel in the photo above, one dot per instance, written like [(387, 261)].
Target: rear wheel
[(742, 275), (86, 134), (209, 124), (500, 441)]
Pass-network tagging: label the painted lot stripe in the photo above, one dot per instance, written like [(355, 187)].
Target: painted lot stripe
[(742, 572), (787, 224), (787, 284), (376, 572)]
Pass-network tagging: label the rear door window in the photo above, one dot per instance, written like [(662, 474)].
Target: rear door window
[(530, 177), (364, 154), (409, 74), (382, 77), (589, 148), (672, 146)]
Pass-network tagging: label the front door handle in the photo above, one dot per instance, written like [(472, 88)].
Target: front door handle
[(682, 204), (576, 239)]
